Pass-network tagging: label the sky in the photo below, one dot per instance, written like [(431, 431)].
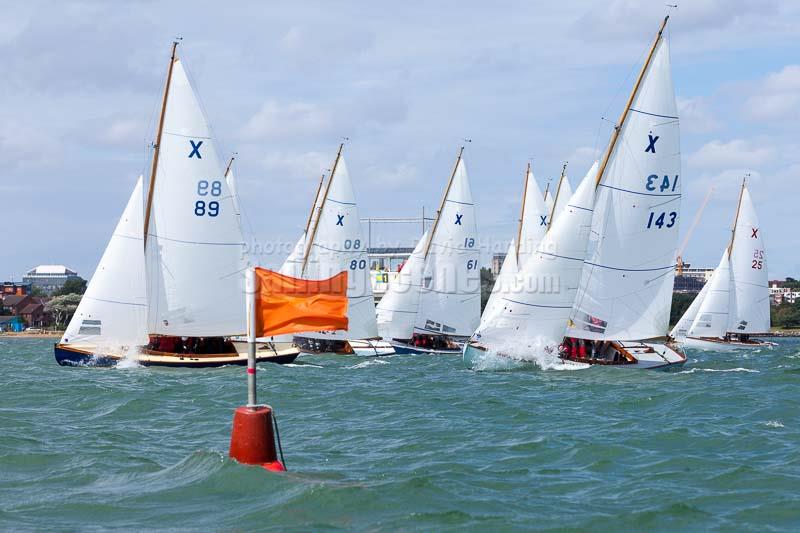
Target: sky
[(283, 83)]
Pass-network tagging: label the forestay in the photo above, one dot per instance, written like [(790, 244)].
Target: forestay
[(397, 310), (338, 245), (712, 315), (537, 304), (194, 248), (450, 299), (113, 310), (626, 285), (749, 308)]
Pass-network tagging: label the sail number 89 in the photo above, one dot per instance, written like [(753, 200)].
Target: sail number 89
[(659, 220), (204, 188)]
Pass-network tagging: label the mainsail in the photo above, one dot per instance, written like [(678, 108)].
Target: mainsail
[(563, 195), (537, 302), (533, 223), (194, 245), (450, 298), (626, 285), (749, 308), (113, 311), (293, 265), (335, 244)]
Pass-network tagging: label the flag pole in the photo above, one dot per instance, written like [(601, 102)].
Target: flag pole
[(250, 290), (253, 432)]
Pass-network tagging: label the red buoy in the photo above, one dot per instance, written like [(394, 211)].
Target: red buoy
[(253, 438)]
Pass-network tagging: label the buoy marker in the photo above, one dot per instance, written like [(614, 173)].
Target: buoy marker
[(253, 434)]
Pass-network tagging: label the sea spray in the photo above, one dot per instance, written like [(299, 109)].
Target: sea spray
[(511, 355)]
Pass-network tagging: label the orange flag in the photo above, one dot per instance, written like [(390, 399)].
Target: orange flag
[(289, 305)]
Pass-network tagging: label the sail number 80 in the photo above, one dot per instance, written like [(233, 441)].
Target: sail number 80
[(204, 188), (358, 265)]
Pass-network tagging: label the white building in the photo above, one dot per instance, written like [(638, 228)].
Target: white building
[(49, 278)]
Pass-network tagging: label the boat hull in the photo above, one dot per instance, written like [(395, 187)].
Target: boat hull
[(638, 356), (86, 356), (356, 347), (406, 349), (721, 345)]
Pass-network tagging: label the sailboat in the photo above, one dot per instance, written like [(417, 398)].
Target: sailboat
[(625, 293), (734, 304), (534, 304), (169, 288), (433, 305), (333, 242), (531, 228)]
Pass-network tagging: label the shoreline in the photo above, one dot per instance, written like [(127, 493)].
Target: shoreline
[(23, 335)]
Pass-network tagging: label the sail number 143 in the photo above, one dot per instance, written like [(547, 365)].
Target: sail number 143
[(664, 220)]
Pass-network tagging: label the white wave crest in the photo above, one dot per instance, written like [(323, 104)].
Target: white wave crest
[(739, 369)]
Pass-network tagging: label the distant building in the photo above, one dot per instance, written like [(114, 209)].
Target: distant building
[(49, 278), (30, 309), (688, 279), (384, 266), (11, 323), (13, 287), (497, 263), (779, 295)]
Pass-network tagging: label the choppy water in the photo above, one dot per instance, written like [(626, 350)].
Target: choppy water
[(404, 442)]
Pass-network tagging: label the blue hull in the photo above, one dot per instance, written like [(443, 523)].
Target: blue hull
[(75, 358)]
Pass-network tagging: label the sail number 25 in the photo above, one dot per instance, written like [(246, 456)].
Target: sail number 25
[(758, 260), (204, 188)]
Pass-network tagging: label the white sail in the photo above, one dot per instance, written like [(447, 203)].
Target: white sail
[(563, 195), (626, 286), (749, 308), (534, 219), (293, 265), (338, 244), (533, 224), (397, 310), (548, 200), (681, 329), (712, 315), (536, 306), (194, 249), (113, 311), (501, 285), (450, 296)]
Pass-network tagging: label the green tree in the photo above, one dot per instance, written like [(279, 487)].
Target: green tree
[(487, 283), (680, 303), (785, 315), (72, 286), (63, 307)]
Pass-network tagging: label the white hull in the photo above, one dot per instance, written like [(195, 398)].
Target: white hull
[(721, 345), (643, 356)]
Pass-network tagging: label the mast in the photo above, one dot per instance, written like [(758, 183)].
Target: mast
[(555, 198), (310, 238), (441, 206), (615, 135), (546, 189), (157, 146), (522, 211), (314, 205), (736, 218), (228, 168)]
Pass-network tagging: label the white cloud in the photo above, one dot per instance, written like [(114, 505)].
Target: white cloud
[(696, 115), (279, 121), (736, 153), (777, 96)]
